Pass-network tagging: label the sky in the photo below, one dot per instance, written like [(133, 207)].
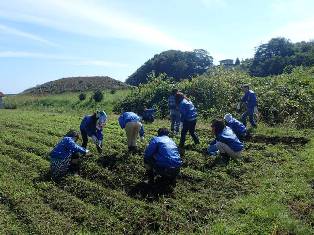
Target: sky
[(45, 40)]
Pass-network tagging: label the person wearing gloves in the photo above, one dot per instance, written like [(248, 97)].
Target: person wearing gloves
[(65, 155), (174, 112), (237, 127), (162, 157), (226, 142), (131, 122), (92, 126), (188, 118), (250, 100)]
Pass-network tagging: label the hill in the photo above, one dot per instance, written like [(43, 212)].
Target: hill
[(176, 64), (74, 84)]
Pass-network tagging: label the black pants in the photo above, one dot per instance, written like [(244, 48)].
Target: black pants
[(188, 126), (84, 138)]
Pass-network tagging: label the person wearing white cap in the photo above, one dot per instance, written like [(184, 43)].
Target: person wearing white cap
[(92, 126), (237, 127)]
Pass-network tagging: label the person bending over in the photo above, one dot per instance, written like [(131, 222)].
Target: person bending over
[(65, 155), (237, 127), (92, 126), (226, 142), (162, 157), (131, 122)]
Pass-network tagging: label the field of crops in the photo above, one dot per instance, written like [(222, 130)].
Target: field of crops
[(269, 191)]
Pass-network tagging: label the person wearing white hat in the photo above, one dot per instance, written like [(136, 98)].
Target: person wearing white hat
[(237, 127), (92, 126)]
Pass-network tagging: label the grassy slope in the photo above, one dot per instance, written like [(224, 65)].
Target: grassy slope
[(269, 191), (65, 102)]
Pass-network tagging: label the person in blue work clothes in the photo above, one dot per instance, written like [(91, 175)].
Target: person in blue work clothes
[(149, 115), (188, 118), (131, 122), (92, 126), (250, 100), (174, 112), (65, 155), (237, 127), (162, 157), (226, 142)]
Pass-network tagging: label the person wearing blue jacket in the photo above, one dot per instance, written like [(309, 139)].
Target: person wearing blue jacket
[(131, 122), (237, 127), (250, 100), (92, 126), (162, 157), (225, 140), (149, 114), (188, 118), (65, 155)]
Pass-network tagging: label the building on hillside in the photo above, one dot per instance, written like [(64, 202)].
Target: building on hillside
[(1, 102), (228, 63)]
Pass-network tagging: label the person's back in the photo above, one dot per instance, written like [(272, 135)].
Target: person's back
[(237, 127), (167, 154), (149, 115), (187, 110), (65, 148), (228, 137)]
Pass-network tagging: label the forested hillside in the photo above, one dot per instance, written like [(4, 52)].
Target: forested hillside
[(176, 64)]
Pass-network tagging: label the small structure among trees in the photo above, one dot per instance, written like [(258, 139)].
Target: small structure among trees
[(1, 102), (226, 63)]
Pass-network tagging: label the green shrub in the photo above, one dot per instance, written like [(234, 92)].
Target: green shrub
[(10, 106), (284, 98)]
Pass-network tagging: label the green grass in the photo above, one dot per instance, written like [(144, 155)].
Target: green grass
[(65, 102), (269, 191)]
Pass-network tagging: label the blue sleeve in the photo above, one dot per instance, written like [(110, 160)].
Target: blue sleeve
[(151, 149), (121, 121), (183, 111), (245, 97), (99, 135), (142, 132), (75, 148)]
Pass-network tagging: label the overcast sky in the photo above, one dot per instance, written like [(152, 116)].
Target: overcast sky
[(44, 40)]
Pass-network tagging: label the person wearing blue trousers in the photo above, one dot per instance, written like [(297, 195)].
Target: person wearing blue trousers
[(250, 100)]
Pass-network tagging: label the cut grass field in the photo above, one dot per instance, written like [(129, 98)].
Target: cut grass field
[(269, 191)]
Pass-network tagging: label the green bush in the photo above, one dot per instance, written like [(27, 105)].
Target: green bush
[(284, 98)]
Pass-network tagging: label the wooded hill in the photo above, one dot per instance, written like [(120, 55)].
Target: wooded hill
[(74, 84)]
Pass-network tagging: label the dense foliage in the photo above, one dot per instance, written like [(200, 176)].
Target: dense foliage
[(280, 55), (98, 96), (284, 98), (176, 64)]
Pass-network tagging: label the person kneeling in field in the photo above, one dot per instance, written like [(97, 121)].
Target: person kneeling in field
[(92, 126), (226, 142), (162, 157), (131, 122), (237, 127), (65, 155)]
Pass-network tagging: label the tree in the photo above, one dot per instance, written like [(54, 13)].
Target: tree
[(176, 64), (272, 57), (237, 62)]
